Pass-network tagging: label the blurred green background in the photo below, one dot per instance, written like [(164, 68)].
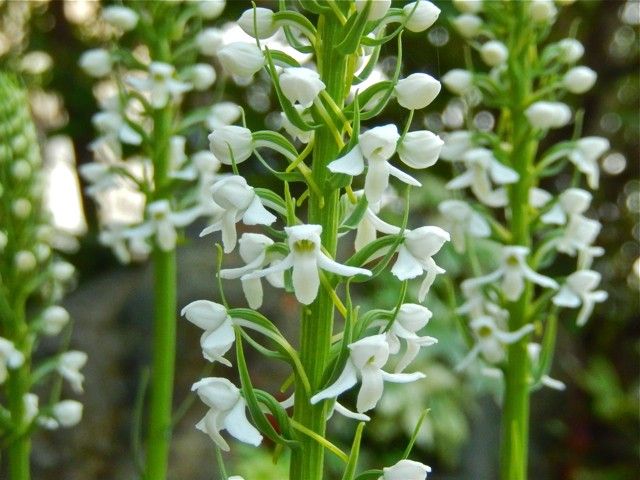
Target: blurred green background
[(588, 432)]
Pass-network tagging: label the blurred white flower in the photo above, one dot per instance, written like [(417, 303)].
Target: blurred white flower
[(573, 201), (10, 358), (210, 9), (377, 9), (209, 41), (241, 59), (69, 366), (467, 24), (406, 470), (543, 11), (67, 413), (579, 79), (231, 143), (96, 62), (460, 219), (547, 115), (301, 85), (494, 53), (579, 290), (263, 19), (120, 17), (585, 157), (458, 81), (159, 84)]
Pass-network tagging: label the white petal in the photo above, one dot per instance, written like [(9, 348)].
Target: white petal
[(403, 177), (209, 425), (352, 163), (555, 216), (461, 181), (512, 284), (345, 412), (305, 278), (566, 298), (238, 426), (412, 351), (166, 236), (376, 181), (406, 265), (228, 230), (330, 265), (256, 214), (281, 266), (371, 389), (539, 279), (345, 381), (501, 174), (402, 377), (252, 289)]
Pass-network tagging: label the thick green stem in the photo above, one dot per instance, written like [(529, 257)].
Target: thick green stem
[(317, 319), (164, 323), (19, 449), (515, 417)]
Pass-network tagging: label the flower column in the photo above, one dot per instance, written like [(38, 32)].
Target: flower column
[(317, 318)]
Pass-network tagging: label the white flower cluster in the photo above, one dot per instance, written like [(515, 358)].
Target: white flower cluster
[(297, 257), (492, 164)]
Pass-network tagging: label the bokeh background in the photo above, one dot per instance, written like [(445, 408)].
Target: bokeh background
[(588, 432)]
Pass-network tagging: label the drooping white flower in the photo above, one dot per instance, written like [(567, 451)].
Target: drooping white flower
[(585, 157), (571, 50), (223, 113), (573, 201), (578, 236), (420, 149), (377, 9), (67, 413), (241, 59), (377, 145), (415, 256), (54, 319), (467, 25), (10, 358), (209, 41), (420, 15), (490, 340), (460, 219), (120, 17), (113, 129), (494, 53), (231, 143), (210, 9), (69, 366), (238, 201), (579, 289), (96, 62), (301, 85), (159, 84), (304, 136), (482, 168), (579, 79), (370, 223), (226, 412), (458, 81), (513, 271), (547, 115), (406, 470), (30, 401), (162, 224), (417, 91), (543, 11), (533, 349), (307, 259), (411, 318), (253, 251), (263, 19), (201, 76), (218, 336), (366, 358)]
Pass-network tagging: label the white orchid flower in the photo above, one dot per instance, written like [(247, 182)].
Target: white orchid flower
[(218, 336), (238, 202), (210, 9), (482, 168), (162, 224), (120, 17), (573, 201), (96, 62), (69, 366), (579, 290), (490, 340), (467, 25), (578, 236), (539, 197), (67, 413), (253, 251), (411, 318), (546, 115), (456, 145), (306, 258), (377, 145), (54, 319), (226, 412), (370, 224), (223, 113), (406, 470), (241, 59), (494, 53), (460, 219), (514, 271), (458, 81), (417, 91), (10, 358), (231, 143), (414, 256), (301, 85), (209, 41), (533, 349), (304, 136), (366, 358), (579, 79), (420, 15), (377, 9), (585, 157), (420, 149), (264, 21), (159, 84)]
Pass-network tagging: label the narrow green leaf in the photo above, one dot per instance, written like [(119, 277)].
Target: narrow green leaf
[(350, 470), (354, 29)]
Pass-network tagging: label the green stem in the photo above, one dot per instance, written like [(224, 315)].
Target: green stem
[(307, 463), (515, 417), (19, 449)]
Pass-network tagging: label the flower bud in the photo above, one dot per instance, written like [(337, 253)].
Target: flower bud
[(422, 16), (21, 170), (494, 53), (263, 20), (25, 261), (120, 17), (231, 140), (468, 6), (301, 85), (406, 470), (54, 319), (571, 50), (62, 271), (467, 24), (241, 59), (223, 113), (21, 208), (579, 79), (458, 81), (210, 9), (543, 11), (201, 76), (68, 413), (547, 115), (377, 10), (96, 62), (420, 149), (209, 41), (417, 91)]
